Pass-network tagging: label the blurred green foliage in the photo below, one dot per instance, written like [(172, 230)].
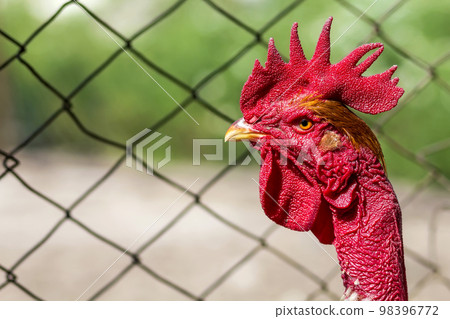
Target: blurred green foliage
[(191, 43)]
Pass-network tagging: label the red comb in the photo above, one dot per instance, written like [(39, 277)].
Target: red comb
[(342, 81)]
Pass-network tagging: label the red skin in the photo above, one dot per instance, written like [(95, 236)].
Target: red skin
[(368, 236), (340, 193), (343, 196)]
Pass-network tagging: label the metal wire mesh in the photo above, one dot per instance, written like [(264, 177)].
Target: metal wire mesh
[(433, 270)]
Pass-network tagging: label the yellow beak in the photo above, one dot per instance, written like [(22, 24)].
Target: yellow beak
[(241, 130)]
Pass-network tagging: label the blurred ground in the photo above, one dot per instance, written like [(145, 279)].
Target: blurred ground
[(197, 250)]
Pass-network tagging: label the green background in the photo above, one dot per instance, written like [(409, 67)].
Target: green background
[(190, 44)]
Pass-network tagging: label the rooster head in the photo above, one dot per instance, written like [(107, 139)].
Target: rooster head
[(311, 144)]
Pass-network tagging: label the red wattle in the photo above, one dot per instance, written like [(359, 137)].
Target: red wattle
[(288, 196)]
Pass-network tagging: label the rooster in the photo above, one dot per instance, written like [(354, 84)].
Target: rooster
[(322, 167)]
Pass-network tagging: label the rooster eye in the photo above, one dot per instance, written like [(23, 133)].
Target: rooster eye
[(305, 124)]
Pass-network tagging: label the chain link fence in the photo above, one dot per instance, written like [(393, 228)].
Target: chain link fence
[(430, 262)]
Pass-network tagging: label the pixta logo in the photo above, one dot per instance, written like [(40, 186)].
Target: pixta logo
[(146, 143)]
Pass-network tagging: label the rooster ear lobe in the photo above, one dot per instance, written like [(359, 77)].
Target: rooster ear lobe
[(340, 193), (344, 198)]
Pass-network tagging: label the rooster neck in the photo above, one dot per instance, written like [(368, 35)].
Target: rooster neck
[(369, 244)]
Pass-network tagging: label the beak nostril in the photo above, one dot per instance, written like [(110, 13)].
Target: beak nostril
[(242, 130), (253, 119)]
